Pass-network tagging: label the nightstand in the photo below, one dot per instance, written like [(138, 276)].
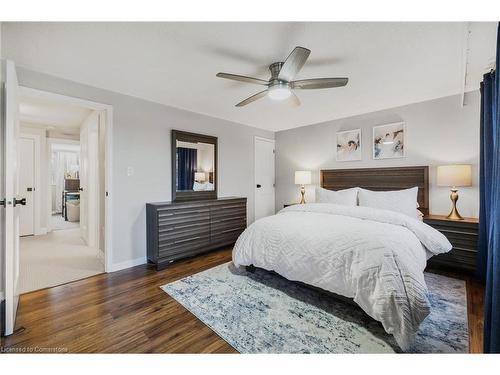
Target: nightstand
[(288, 204), (463, 235)]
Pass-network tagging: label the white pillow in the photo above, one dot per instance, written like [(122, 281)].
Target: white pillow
[(402, 201), (346, 197)]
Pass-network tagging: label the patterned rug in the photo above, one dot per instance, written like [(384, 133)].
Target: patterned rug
[(262, 312)]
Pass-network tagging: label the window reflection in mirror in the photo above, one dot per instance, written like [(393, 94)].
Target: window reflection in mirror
[(195, 163)]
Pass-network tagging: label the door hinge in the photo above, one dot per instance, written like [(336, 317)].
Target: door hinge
[(3, 203)]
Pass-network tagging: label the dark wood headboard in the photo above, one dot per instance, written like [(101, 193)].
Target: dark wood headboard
[(381, 179)]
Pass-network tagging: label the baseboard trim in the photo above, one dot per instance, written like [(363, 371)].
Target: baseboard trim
[(128, 264)]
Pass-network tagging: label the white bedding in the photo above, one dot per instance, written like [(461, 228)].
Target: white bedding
[(376, 257)]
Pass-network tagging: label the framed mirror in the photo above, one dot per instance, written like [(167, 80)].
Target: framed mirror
[(194, 166)]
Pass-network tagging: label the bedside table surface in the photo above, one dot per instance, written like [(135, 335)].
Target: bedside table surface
[(471, 220)]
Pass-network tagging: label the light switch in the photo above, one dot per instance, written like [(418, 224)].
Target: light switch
[(130, 171)]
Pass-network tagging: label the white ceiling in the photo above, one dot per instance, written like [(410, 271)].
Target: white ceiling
[(388, 64), (52, 115)]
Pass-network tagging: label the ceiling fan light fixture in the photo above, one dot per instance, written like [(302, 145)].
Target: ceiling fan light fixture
[(282, 81), (279, 92)]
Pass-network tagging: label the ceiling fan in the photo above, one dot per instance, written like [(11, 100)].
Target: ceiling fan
[(281, 84)]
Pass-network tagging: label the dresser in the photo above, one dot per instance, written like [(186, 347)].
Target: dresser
[(177, 230), (463, 235)]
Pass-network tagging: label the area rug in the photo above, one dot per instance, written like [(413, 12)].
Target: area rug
[(262, 312)]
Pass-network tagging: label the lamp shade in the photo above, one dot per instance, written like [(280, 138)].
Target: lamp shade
[(302, 177), (454, 175), (199, 176)]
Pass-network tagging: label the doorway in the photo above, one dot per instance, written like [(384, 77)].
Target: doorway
[(264, 177), (63, 174)]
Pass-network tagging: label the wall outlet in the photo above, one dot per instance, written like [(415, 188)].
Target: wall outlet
[(130, 171)]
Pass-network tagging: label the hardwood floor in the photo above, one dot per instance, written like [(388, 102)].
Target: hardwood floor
[(126, 311)]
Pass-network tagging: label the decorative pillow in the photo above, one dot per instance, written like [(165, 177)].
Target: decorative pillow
[(402, 201), (346, 197)]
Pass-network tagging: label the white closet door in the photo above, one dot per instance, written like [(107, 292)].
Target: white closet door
[(264, 177), (26, 186)]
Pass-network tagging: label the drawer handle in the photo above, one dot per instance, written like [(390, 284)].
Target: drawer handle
[(166, 230), (187, 239), (185, 212), (191, 225), (236, 218), (230, 230)]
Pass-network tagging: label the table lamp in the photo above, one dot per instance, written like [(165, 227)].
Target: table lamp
[(199, 176), (302, 178), (454, 176)]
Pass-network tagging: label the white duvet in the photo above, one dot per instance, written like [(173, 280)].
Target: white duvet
[(376, 257)]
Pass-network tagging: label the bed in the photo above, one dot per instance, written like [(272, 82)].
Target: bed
[(374, 257)]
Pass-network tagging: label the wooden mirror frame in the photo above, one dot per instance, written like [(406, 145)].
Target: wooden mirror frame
[(183, 196)]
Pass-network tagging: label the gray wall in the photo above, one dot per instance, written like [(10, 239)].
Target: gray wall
[(141, 139), (437, 132)]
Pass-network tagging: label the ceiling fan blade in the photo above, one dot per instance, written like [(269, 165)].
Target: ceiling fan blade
[(293, 63), (252, 98), (318, 83), (294, 100), (236, 77)]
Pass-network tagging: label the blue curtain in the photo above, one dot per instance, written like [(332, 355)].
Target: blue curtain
[(186, 167), (489, 215)]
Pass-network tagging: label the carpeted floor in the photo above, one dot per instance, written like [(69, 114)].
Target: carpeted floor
[(57, 222), (264, 313), (56, 258)]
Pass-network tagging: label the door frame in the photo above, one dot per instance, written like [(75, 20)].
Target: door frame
[(37, 214), (50, 142), (273, 141), (108, 156)]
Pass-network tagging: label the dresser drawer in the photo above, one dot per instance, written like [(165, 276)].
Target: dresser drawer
[(178, 246), (183, 216), (226, 237), (182, 231), (221, 225), (457, 259), (236, 210)]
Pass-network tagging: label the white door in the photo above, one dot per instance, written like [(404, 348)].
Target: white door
[(89, 180), (264, 177), (26, 185), (10, 217), (84, 166)]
